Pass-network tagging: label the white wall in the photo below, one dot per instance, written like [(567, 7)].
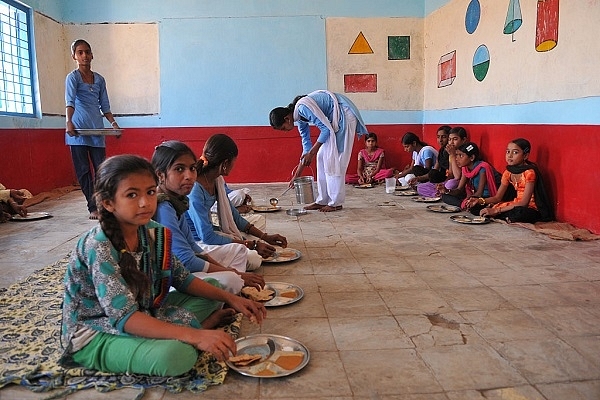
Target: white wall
[(399, 82), (518, 74)]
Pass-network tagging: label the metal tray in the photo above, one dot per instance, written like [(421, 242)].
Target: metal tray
[(294, 212), (257, 344), (266, 208), (365, 186), (283, 288), (101, 132), (31, 216), (443, 208), (283, 255), (422, 199), (467, 219), (411, 192), (406, 187)]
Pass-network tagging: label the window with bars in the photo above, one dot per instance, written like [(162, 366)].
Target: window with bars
[(17, 63)]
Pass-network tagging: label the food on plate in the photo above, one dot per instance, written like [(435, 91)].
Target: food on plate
[(286, 253), (289, 293), (290, 359), (479, 219), (265, 372), (244, 359), (257, 295)]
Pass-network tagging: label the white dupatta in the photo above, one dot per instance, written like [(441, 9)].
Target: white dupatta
[(332, 156), (228, 226)]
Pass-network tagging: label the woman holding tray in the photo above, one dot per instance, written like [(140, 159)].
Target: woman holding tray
[(87, 103)]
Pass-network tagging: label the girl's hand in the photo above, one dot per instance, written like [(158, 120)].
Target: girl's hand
[(265, 250), (472, 202), (214, 341), (21, 210), (276, 240), (255, 280), (413, 181), (247, 200), (489, 212), (17, 195), (252, 310), (71, 129), (307, 159)]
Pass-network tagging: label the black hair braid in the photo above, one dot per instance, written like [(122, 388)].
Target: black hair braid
[(136, 280), (292, 105)]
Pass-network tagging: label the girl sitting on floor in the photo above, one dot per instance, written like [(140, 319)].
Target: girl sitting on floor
[(478, 179), (423, 158), (371, 164), (531, 203), (175, 165), (118, 313)]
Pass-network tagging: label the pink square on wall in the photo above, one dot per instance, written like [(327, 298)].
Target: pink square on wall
[(357, 83)]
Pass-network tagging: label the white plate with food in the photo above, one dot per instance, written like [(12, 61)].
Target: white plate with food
[(31, 216), (268, 356), (423, 199), (443, 208), (100, 132), (266, 208), (411, 192), (468, 219), (283, 255)]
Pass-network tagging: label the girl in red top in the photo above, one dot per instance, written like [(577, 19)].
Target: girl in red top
[(531, 204)]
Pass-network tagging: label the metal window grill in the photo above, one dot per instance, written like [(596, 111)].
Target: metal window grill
[(16, 73)]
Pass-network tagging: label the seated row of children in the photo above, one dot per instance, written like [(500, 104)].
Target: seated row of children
[(458, 174)]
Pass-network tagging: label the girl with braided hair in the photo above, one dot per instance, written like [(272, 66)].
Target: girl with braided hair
[(119, 314)]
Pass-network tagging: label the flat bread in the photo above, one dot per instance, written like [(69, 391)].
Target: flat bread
[(244, 359), (257, 295)]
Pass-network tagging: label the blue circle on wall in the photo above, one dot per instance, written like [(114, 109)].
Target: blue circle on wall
[(472, 16), (481, 62)]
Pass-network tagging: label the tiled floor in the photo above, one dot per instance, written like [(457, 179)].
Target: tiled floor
[(400, 303)]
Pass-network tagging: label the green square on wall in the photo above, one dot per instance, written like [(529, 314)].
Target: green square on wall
[(398, 47)]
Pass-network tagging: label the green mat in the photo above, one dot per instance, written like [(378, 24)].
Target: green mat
[(30, 318)]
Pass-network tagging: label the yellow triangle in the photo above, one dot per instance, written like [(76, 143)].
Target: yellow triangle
[(360, 45)]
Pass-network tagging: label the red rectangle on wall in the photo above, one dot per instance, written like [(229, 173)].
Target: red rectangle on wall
[(357, 83)]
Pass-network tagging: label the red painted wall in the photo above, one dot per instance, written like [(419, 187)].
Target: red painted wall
[(38, 159)]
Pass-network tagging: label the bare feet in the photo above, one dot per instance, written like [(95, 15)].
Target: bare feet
[(314, 206), (330, 209), (221, 317), (93, 215)]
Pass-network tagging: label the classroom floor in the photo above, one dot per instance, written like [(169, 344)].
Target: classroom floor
[(400, 303)]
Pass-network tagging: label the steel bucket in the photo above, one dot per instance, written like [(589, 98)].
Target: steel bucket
[(304, 190)]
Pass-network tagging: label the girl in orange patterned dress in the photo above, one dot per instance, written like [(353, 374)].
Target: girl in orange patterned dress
[(531, 204)]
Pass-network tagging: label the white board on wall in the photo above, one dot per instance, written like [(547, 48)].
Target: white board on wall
[(399, 81), (51, 63), (127, 56)]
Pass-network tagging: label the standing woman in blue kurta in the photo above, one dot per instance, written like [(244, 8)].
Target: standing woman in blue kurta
[(87, 103), (338, 120)]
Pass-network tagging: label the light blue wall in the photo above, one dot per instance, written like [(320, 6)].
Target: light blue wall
[(227, 63), (233, 71)]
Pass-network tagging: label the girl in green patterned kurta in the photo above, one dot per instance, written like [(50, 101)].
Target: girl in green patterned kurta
[(118, 313)]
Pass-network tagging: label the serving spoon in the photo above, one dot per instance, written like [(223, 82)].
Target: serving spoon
[(275, 200)]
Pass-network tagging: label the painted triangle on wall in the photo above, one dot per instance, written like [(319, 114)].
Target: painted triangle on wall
[(360, 45)]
